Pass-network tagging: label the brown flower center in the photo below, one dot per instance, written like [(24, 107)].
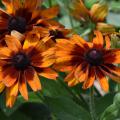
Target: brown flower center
[(20, 61), (56, 34), (17, 23), (94, 57)]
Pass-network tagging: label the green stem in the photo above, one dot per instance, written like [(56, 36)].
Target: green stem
[(92, 104), (50, 3)]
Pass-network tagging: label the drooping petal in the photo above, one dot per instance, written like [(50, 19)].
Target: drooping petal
[(10, 100), (33, 79), (70, 79), (103, 80), (112, 76), (91, 77), (9, 76), (108, 43), (23, 86)]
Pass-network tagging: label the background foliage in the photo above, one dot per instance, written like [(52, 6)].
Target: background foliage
[(58, 102)]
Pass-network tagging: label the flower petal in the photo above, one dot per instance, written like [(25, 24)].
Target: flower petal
[(2, 86), (103, 80), (13, 43), (99, 12), (50, 12), (23, 86), (49, 73), (10, 100), (98, 40), (33, 79), (9, 76), (91, 77)]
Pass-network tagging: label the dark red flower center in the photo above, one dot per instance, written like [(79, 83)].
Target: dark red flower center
[(94, 57), (20, 61), (17, 23), (56, 34)]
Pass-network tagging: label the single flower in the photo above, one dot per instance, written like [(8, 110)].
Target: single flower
[(23, 64), (23, 15), (88, 61)]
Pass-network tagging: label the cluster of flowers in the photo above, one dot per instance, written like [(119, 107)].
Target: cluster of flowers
[(33, 45)]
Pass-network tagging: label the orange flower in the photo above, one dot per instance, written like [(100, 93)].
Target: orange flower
[(53, 29), (22, 64), (96, 15), (88, 61), (23, 15)]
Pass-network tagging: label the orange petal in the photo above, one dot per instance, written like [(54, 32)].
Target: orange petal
[(47, 60), (49, 73), (113, 69), (98, 40), (10, 100), (108, 43), (83, 74), (23, 86), (5, 53), (18, 35), (70, 78), (9, 76), (13, 43), (50, 13), (2, 86), (99, 12), (33, 79), (13, 90), (8, 6), (77, 13), (112, 56), (29, 4), (103, 80), (91, 77)]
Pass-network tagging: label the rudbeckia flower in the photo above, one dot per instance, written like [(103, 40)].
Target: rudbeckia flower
[(88, 61), (55, 30), (23, 15), (22, 64), (96, 15)]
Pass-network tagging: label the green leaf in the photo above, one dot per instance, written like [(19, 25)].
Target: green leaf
[(112, 112), (53, 88), (102, 103), (8, 111), (66, 109)]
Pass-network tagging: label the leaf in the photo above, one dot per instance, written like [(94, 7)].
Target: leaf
[(66, 109), (102, 103), (112, 112), (8, 111)]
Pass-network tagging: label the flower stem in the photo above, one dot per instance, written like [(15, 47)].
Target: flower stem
[(92, 104)]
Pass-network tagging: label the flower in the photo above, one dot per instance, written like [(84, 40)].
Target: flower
[(23, 15), (96, 15), (55, 30), (21, 64), (88, 61)]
